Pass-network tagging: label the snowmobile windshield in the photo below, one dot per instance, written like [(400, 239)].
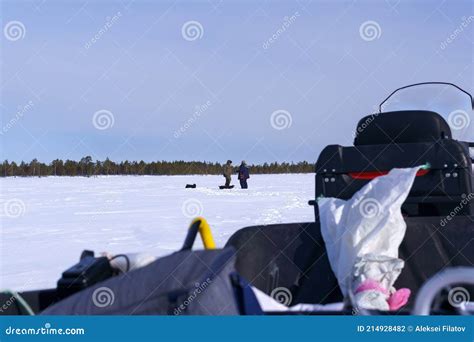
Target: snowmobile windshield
[(454, 104)]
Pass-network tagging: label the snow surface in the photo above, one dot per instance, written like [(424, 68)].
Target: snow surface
[(47, 222)]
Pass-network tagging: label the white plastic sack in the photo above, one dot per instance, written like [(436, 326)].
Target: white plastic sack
[(372, 283), (268, 303), (365, 229)]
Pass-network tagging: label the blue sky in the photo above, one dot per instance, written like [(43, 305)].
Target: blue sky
[(162, 93)]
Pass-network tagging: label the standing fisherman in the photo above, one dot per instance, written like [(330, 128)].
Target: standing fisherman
[(227, 171), (243, 175)]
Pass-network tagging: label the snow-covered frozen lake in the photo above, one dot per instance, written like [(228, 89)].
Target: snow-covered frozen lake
[(47, 222)]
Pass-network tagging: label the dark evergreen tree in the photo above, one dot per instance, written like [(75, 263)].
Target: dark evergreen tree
[(87, 167)]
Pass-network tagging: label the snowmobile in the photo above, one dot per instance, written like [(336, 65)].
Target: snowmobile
[(289, 262)]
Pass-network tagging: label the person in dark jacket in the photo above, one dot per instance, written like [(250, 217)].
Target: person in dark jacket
[(243, 175), (227, 173)]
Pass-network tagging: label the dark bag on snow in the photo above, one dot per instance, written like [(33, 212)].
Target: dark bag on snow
[(183, 283)]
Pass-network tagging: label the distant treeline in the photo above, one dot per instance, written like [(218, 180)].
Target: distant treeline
[(87, 167)]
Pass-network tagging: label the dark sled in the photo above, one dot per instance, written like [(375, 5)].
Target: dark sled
[(226, 187), (439, 238), (190, 186)]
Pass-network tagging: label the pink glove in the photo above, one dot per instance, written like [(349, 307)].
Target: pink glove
[(399, 298), (395, 301)]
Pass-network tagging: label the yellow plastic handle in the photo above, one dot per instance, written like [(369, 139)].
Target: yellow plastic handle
[(205, 232)]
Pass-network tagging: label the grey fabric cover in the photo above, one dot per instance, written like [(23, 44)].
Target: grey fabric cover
[(183, 283)]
